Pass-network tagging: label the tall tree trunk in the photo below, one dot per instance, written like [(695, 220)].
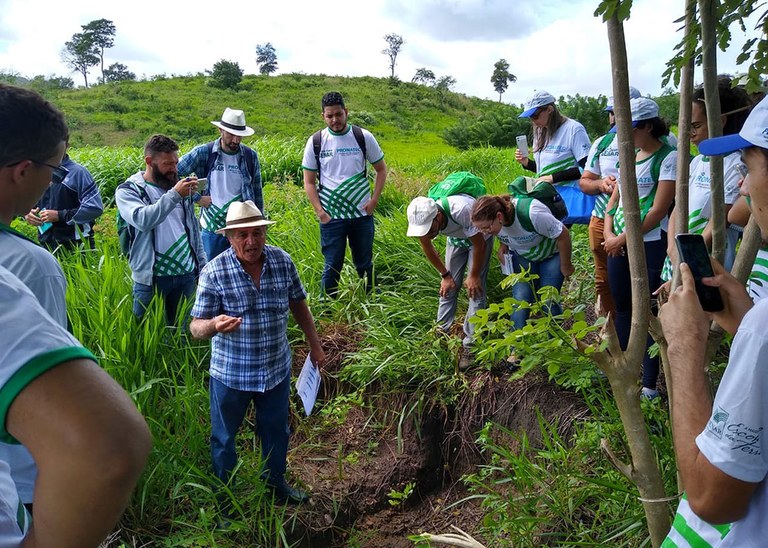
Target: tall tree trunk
[(623, 368)]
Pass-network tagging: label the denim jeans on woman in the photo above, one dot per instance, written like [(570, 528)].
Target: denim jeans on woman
[(549, 274), (333, 242), (621, 289)]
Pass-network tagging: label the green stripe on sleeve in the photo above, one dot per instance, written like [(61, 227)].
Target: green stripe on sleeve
[(28, 373)]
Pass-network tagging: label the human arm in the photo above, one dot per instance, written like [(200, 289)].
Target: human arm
[(593, 184), (566, 175), (91, 206), (613, 245), (713, 495), (528, 163), (474, 282), (146, 217), (303, 316), (33, 217), (380, 168), (564, 249), (202, 328), (736, 300), (310, 187), (447, 284), (739, 213)]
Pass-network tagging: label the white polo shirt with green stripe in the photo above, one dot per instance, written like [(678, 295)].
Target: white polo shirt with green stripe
[(605, 164), (567, 145), (343, 187), (700, 193), (173, 254), (226, 185), (646, 191), (538, 245), (757, 285), (33, 343)]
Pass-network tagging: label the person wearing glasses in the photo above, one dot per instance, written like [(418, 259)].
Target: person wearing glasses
[(560, 148), (734, 106), (72, 420), (64, 216)]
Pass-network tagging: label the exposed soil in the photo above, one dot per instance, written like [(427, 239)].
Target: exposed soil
[(358, 464)]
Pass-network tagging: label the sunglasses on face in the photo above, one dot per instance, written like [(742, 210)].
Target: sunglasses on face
[(538, 113)]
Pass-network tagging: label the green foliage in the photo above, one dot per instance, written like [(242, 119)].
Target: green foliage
[(101, 33), (609, 8), (501, 77), (590, 111), (496, 127), (266, 58), (80, 54), (117, 72), (397, 498), (754, 51), (225, 74), (423, 76)]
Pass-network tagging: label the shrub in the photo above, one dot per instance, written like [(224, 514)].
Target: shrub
[(225, 74)]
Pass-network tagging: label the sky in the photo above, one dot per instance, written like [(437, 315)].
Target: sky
[(553, 45)]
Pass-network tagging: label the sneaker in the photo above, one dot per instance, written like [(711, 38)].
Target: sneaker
[(285, 494), (466, 358), (649, 393)]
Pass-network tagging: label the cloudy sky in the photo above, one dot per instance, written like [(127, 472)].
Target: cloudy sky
[(556, 45)]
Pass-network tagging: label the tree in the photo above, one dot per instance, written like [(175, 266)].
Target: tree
[(225, 74), (501, 77), (117, 72), (423, 76), (80, 54), (266, 58), (394, 43), (101, 33), (445, 83)]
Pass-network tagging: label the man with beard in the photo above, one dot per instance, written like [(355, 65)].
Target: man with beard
[(167, 252), (233, 173)]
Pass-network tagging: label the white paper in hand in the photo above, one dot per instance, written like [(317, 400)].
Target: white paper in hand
[(308, 384), (506, 266)]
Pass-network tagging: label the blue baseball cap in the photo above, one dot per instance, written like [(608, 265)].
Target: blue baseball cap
[(642, 109), (634, 93), (754, 133), (538, 100)]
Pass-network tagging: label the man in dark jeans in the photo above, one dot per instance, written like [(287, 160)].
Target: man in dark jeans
[(338, 157), (65, 214)]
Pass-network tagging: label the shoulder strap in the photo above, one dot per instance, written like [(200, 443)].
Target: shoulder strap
[(250, 160), (523, 212), (140, 190), (446, 207), (211, 159), (658, 157), (357, 131), (604, 143), (316, 141)]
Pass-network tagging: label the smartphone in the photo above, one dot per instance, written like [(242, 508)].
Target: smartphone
[(522, 144), (693, 252), (201, 184)]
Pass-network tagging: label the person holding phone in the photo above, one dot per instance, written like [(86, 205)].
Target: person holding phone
[(720, 445), (656, 170), (560, 147)]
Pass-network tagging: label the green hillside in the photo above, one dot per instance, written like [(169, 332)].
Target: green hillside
[(410, 118)]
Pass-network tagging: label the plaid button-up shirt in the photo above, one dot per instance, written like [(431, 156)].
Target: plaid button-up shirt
[(256, 357)]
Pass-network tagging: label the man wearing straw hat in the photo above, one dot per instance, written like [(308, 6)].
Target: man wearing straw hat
[(233, 173), (243, 299)]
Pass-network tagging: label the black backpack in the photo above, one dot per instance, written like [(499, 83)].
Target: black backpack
[(357, 131)]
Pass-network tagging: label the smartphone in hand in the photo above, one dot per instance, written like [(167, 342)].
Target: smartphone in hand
[(201, 184), (693, 252)]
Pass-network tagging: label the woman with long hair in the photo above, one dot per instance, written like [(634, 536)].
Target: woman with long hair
[(560, 148), (656, 170)]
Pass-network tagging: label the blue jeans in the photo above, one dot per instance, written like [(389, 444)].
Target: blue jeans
[(549, 274), (172, 288), (621, 289), (213, 243), (228, 407), (333, 242)]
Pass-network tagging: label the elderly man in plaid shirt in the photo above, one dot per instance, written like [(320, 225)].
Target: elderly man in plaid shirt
[(243, 299)]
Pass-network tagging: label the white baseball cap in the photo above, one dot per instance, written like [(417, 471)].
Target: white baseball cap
[(634, 93), (421, 212), (539, 99), (643, 108), (754, 133)]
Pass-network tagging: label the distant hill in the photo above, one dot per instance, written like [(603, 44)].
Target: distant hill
[(288, 105)]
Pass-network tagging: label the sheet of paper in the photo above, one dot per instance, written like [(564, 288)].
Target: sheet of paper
[(308, 384), (506, 267)]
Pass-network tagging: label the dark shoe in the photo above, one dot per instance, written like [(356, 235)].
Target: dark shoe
[(466, 358), (285, 494)]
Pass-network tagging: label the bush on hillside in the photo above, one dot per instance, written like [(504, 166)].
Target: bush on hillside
[(225, 74), (496, 128)]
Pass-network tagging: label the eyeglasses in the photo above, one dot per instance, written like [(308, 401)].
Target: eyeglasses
[(58, 173), (538, 113)]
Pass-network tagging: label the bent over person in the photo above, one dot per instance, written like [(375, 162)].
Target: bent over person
[(243, 299), (467, 249)]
